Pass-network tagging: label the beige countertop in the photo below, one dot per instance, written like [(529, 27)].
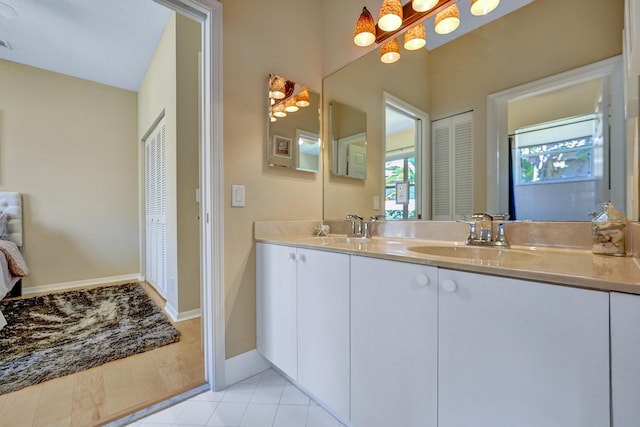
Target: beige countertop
[(562, 266)]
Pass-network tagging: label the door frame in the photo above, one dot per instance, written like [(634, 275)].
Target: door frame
[(209, 14), (423, 152)]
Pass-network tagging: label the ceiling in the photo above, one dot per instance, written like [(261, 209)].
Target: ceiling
[(112, 41), (107, 41), (468, 22)]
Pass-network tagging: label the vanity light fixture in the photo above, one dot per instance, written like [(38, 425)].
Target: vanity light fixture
[(390, 16), (448, 20), (390, 51), (290, 105), (412, 14), (278, 88), (415, 37), (302, 99), (279, 111), (483, 7), (285, 96), (365, 31), (423, 5)]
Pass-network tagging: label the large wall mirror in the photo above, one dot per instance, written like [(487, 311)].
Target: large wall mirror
[(294, 125), (459, 76)]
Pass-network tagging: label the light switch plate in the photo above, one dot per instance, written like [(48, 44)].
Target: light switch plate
[(376, 203), (237, 196)]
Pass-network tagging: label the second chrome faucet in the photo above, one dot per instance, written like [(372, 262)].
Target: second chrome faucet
[(359, 227), (481, 230)]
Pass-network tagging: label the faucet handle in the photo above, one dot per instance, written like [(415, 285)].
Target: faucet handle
[(376, 218), (354, 216), (501, 239), (501, 217), (482, 216), (472, 229)]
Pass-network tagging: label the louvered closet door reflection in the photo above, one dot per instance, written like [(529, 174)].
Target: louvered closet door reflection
[(155, 208), (452, 167)]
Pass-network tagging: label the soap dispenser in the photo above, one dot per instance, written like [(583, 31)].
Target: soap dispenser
[(609, 231)]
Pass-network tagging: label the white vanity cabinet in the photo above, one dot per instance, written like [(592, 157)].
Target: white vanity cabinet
[(394, 309), (276, 306), (323, 327), (625, 359), (303, 319), (519, 353)]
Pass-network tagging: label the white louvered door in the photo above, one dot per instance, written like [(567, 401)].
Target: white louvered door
[(156, 208), (452, 157)]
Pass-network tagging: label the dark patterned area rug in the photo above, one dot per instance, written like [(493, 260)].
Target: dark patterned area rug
[(58, 334)]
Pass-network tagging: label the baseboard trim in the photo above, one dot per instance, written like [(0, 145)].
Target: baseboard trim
[(243, 366), (189, 314), (81, 283), (171, 311)]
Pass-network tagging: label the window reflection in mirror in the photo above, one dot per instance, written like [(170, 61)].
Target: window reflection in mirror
[(294, 125), (348, 130)]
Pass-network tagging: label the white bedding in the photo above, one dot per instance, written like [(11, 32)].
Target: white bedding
[(10, 203), (7, 280)]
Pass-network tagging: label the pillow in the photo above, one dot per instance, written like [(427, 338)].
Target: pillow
[(17, 264), (4, 228)]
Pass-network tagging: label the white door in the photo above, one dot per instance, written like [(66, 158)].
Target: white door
[(156, 208), (625, 359), (519, 353), (276, 304), (394, 326), (357, 161), (323, 327)]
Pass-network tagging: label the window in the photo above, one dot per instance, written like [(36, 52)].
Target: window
[(557, 161), (397, 170)]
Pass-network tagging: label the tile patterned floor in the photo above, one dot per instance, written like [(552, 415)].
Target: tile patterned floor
[(264, 400)]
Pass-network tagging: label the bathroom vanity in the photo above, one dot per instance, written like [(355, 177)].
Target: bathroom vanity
[(383, 332)]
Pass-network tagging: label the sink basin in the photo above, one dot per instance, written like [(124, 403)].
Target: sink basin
[(477, 253)]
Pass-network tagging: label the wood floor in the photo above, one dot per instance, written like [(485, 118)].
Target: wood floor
[(110, 391)]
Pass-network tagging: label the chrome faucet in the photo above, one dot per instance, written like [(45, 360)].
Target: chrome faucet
[(355, 224), (367, 226), (481, 230)]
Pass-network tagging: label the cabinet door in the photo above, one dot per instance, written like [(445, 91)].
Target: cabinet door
[(625, 359), (276, 308), (518, 353), (323, 327), (393, 343)]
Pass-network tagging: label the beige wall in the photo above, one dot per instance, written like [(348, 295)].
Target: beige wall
[(282, 37), (188, 33), (69, 145), (170, 87)]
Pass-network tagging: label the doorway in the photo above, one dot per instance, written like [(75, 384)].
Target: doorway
[(209, 14), (406, 191)]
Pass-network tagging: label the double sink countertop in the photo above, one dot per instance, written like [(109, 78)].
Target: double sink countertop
[(571, 266)]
